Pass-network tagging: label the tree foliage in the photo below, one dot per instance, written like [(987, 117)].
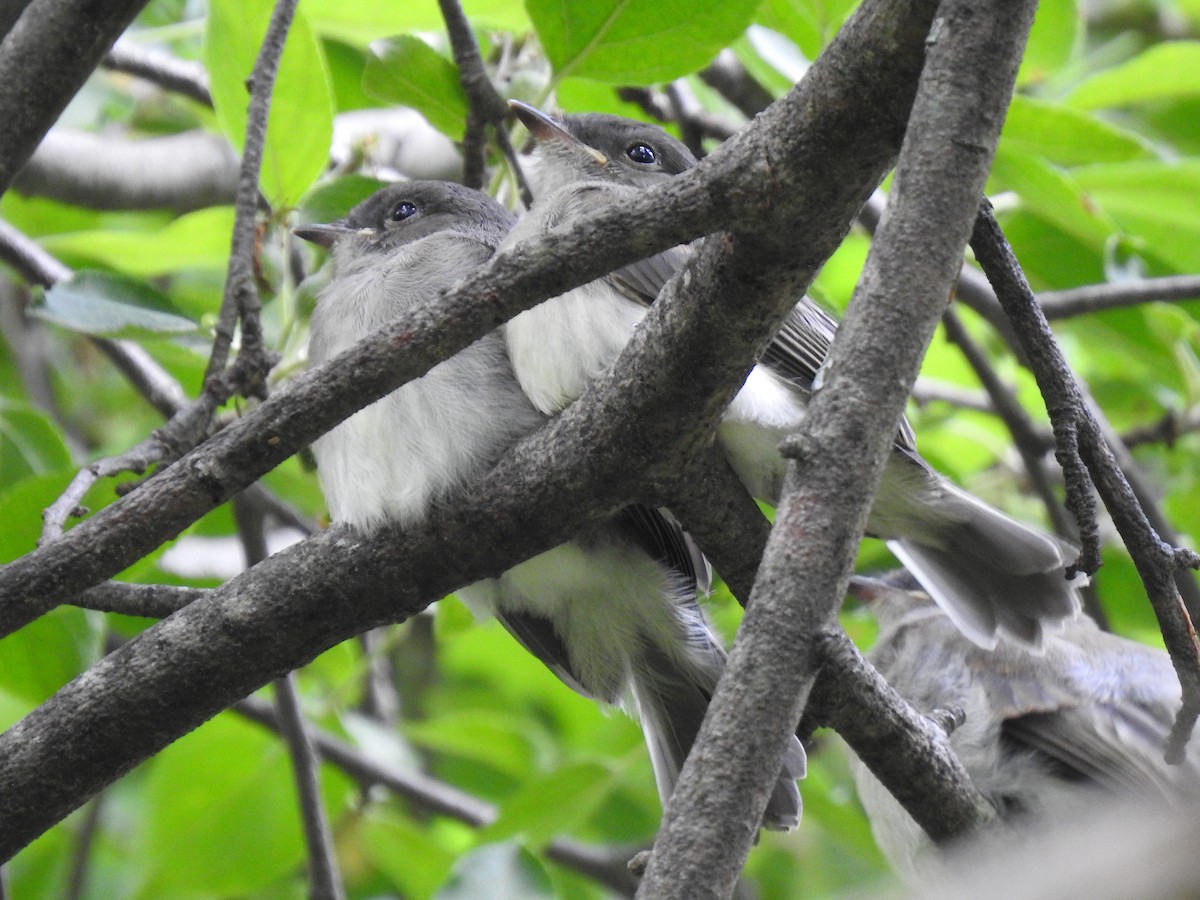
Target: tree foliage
[(1095, 182)]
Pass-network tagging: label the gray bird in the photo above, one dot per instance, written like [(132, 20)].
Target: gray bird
[(614, 613), (1044, 733), (991, 573)]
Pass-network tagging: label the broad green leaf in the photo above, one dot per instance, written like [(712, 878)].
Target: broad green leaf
[(492, 738), (197, 240), (30, 443), (1052, 194), (223, 792), (331, 200), (1066, 136), (300, 122), (1155, 201), (498, 872), (106, 305), (810, 24), (1158, 73), (622, 42), (550, 806), (362, 21), (406, 853), (1053, 40), (47, 653), (407, 71)]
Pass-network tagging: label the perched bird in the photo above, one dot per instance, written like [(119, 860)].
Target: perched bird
[(991, 573), (1043, 734), (614, 613)]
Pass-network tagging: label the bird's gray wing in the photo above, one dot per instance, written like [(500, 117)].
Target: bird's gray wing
[(662, 538)]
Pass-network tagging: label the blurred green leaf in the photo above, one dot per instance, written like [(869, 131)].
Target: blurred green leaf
[(223, 792), (1066, 136), (197, 240), (547, 807), (106, 305), (486, 736), (1156, 201), (407, 71), (1162, 71), (331, 200), (363, 21), (810, 24), (416, 863), (1053, 40), (497, 872), (30, 443), (1053, 194), (621, 42), (300, 122), (47, 653)]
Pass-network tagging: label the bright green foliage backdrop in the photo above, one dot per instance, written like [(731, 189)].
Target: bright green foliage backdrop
[(1097, 179)]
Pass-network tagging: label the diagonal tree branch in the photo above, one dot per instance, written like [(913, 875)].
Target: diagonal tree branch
[(973, 51)]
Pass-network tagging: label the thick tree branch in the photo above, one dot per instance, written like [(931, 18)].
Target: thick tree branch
[(44, 61), (973, 52), (182, 172)]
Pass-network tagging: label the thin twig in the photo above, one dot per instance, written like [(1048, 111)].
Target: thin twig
[(324, 882), (1167, 430), (241, 299), (1096, 297), (485, 105), (1080, 437), (81, 853), (150, 601), (729, 78)]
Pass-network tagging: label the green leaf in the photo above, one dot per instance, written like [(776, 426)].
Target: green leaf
[(1053, 40), (331, 200), (492, 738), (362, 21), (622, 42), (810, 24), (1160, 72), (47, 653), (30, 443), (407, 71), (106, 305), (1066, 136), (1052, 194), (300, 122), (546, 807), (498, 872), (223, 792), (1154, 201), (198, 240), (416, 863)]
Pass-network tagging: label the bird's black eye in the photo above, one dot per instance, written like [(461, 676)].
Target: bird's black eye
[(403, 210), (641, 153)]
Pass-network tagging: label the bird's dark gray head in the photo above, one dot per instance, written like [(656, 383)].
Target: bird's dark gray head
[(409, 211), (602, 147)]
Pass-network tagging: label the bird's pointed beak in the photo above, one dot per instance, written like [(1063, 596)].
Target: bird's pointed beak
[(545, 128), (323, 235)]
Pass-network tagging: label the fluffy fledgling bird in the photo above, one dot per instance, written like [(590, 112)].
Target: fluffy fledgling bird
[(613, 613), (991, 573), (1044, 734)]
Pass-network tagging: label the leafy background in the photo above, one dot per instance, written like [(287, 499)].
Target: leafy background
[(1096, 179)]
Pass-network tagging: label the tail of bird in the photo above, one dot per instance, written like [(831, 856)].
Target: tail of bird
[(672, 697), (988, 571)]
